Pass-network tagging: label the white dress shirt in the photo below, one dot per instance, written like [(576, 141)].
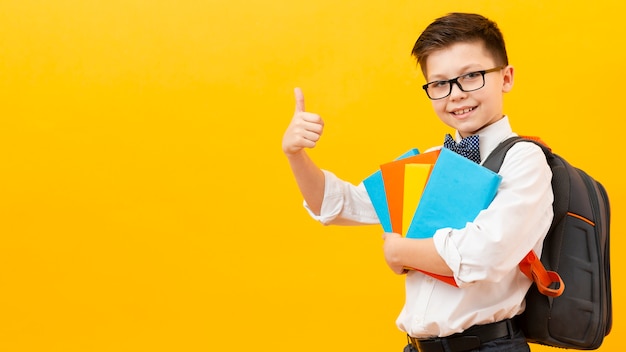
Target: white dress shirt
[(483, 256)]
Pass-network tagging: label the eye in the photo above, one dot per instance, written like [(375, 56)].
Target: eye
[(471, 75), (439, 84)]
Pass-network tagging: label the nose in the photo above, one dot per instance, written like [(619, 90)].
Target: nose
[(456, 92)]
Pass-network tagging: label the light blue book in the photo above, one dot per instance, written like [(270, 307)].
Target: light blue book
[(376, 191), (457, 190)]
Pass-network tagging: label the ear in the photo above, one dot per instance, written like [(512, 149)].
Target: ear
[(507, 79)]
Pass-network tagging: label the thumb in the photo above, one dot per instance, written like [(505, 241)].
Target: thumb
[(299, 99)]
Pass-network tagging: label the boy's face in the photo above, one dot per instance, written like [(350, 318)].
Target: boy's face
[(468, 112)]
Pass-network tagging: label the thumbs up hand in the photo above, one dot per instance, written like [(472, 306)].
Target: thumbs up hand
[(304, 130)]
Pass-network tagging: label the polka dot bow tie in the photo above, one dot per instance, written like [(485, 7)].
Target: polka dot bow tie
[(467, 147)]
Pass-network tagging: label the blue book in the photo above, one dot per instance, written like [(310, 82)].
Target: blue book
[(376, 191), (457, 190)]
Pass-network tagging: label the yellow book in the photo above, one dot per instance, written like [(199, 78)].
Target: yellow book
[(415, 178)]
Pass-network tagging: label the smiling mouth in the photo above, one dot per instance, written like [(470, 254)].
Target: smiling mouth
[(463, 111)]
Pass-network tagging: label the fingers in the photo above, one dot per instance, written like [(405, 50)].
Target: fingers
[(304, 121), (299, 99), (311, 136), (305, 128), (388, 235), (306, 132), (310, 122)]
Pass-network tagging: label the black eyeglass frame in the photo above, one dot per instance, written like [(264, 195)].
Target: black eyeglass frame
[(456, 81)]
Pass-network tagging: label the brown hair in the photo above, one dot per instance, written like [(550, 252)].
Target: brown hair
[(460, 27)]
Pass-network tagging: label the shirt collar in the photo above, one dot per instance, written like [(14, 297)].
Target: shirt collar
[(492, 135)]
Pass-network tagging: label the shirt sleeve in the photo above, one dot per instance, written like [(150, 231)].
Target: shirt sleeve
[(344, 203), (516, 221)]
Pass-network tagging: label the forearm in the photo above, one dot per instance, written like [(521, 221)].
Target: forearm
[(414, 253), (310, 179)]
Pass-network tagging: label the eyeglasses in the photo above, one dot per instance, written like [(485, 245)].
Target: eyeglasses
[(467, 83)]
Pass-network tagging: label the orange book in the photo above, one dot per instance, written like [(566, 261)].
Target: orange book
[(393, 179)]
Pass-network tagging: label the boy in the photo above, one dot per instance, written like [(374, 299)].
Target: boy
[(464, 61)]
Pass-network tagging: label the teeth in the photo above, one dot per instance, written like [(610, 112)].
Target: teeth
[(464, 111)]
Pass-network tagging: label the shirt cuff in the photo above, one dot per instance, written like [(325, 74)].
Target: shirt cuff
[(331, 204), (449, 252)]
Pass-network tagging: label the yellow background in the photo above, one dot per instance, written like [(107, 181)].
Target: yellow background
[(146, 205)]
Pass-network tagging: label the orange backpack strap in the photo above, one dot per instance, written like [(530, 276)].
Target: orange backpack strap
[(532, 267)]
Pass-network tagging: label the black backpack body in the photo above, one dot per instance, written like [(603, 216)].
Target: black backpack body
[(577, 248)]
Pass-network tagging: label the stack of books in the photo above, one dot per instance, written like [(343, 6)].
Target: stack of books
[(418, 194)]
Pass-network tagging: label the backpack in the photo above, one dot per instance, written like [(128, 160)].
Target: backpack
[(570, 304)]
